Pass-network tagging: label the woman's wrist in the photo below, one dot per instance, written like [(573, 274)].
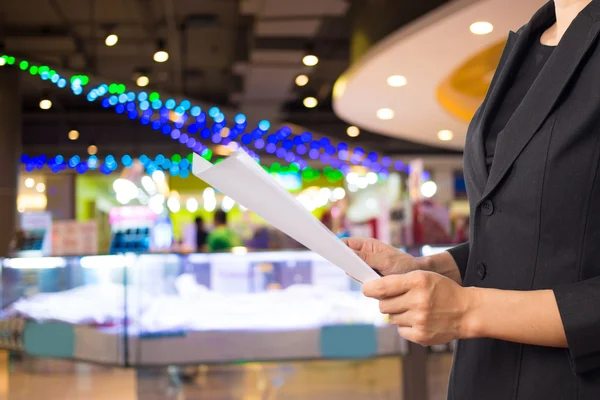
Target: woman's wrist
[(472, 323), (443, 264), (425, 264)]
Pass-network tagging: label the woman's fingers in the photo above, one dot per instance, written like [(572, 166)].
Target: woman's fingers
[(401, 320), (388, 287), (395, 307), (377, 261), (357, 244)]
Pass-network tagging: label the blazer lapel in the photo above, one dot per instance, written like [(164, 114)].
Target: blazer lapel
[(514, 51), (475, 145), (545, 91)]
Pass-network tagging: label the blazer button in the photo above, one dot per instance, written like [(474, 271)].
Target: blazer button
[(487, 207), (481, 270)]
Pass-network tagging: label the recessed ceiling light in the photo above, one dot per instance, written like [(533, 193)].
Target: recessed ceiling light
[(481, 28), (111, 40), (73, 134), (161, 56), (353, 131), (445, 135), (45, 104), (310, 102), (385, 113), (142, 81), (397, 81), (301, 80), (310, 60)]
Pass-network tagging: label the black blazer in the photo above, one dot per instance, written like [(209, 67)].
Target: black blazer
[(535, 220)]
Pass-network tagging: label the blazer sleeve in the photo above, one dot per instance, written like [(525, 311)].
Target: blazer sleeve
[(578, 307), (460, 254)]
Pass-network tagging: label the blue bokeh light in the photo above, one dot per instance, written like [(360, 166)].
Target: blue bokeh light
[(92, 162), (264, 125), (219, 118), (127, 161), (213, 112), (240, 119), (195, 111), (313, 154), (170, 104)]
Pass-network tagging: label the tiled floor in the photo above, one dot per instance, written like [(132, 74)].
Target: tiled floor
[(321, 380)]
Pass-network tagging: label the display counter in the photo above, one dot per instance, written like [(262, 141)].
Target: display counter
[(165, 309)]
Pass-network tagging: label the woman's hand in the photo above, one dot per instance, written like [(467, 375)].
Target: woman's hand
[(388, 260), (385, 259), (428, 308)]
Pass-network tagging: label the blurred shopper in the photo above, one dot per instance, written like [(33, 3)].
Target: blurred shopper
[(222, 238), (201, 235), (523, 297), (260, 239)]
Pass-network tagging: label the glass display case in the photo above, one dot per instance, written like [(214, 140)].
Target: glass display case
[(173, 309)]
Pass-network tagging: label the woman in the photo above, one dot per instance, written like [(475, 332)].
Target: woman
[(523, 297)]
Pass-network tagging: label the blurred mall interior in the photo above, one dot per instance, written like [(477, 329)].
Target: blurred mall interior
[(125, 276)]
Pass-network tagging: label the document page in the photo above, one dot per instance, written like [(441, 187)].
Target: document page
[(241, 178)]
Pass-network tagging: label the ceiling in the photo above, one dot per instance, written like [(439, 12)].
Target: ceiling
[(240, 55), (427, 53)]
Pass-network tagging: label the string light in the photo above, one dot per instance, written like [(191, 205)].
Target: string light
[(193, 125), (157, 167)]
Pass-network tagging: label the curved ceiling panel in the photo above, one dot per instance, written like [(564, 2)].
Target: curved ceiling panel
[(463, 91), (447, 69)]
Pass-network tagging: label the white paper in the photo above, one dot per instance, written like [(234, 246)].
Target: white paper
[(242, 179)]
